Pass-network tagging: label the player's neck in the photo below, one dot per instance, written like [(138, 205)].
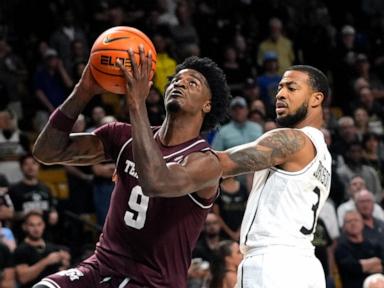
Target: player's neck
[(314, 119), (177, 130)]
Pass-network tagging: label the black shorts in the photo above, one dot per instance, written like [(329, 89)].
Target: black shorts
[(86, 275)]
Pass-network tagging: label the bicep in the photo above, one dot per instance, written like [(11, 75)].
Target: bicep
[(272, 149), (83, 149)]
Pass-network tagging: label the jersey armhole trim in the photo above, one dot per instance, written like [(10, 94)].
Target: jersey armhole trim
[(121, 151), (49, 283), (200, 204)]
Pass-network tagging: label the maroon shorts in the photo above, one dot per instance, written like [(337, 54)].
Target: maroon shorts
[(86, 275)]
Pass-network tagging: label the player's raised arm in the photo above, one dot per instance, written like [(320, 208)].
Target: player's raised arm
[(276, 148), (55, 145)]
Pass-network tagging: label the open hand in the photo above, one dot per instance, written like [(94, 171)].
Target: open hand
[(137, 82)]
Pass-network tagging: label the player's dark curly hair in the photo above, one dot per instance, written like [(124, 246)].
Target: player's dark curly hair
[(217, 84), (317, 79)]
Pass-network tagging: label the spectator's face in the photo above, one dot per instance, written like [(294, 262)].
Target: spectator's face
[(269, 125), (357, 184), (34, 227), (347, 131), (366, 97), (355, 154), (212, 225), (372, 144), (30, 168), (258, 105), (236, 256), (239, 114), (98, 114), (353, 224), (364, 204), (361, 117)]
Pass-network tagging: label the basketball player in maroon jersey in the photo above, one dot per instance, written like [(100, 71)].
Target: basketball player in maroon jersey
[(167, 177)]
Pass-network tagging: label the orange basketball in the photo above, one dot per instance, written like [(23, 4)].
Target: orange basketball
[(112, 45)]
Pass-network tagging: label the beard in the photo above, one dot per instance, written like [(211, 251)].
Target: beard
[(173, 107), (290, 121)]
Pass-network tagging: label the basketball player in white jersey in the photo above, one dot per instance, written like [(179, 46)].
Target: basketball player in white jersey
[(290, 186)]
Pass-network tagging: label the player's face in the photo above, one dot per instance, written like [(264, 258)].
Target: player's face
[(292, 98), (189, 92), (35, 227)]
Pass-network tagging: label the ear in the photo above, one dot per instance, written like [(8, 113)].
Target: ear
[(207, 107), (317, 99)]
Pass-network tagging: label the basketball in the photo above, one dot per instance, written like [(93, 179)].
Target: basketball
[(111, 45)]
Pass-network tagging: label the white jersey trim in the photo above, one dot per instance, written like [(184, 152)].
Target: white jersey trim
[(200, 204), (49, 283), (184, 149), (121, 151)]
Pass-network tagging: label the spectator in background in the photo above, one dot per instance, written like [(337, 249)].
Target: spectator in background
[(346, 134), (30, 194), (97, 115), (165, 63), (356, 184), (325, 240), (7, 271), (63, 38), (36, 258), (251, 90), (103, 183), (13, 144), (51, 81), (230, 207), (209, 239), (184, 33), (234, 72), (155, 107), (355, 256), (269, 125), (372, 146), (6, 205), (373, 227), (269, 79), (224, 267), (374, 281), (354, 165), (239, 130), (374, 109), (361, 119), (278, 43)]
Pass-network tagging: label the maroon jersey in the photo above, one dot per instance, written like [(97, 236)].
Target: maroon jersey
[(149, 239)]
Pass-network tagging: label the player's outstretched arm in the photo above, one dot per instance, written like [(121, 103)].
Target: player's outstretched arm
[(55, 144), (272, 149), (156, 177)]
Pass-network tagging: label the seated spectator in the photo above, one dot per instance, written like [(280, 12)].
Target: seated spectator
[(361, 118), (354, 165), (7, 238), (209, 239), (224, 267), (7, 271), (230, 207), (6, 205), (325, 239), (269, 125), (374, 281), (30, 194), (239, 130), (356, 184), (373, 227), (372, 146), (346, 134), (36, 258), (13, 144), (355, 256)]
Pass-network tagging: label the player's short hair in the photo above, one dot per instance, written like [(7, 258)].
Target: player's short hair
[(217, 84), (317, 79)]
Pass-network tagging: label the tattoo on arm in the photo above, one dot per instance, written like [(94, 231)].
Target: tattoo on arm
[(271, 150)]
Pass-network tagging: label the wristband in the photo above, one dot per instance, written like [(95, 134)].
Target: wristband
[(61, 122)]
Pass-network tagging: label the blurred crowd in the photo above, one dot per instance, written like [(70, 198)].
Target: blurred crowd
[(44, 47)]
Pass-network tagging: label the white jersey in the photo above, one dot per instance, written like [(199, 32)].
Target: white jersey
[(283, 207)]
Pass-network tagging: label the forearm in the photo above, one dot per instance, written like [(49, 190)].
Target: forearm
[(52, 142), (149, 162), (8, 280), (30, 273)]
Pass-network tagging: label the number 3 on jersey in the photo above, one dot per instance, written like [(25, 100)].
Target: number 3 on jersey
[(315, 206), (137, 208)]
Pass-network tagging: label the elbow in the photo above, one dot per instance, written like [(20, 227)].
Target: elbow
[(42, 156)]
